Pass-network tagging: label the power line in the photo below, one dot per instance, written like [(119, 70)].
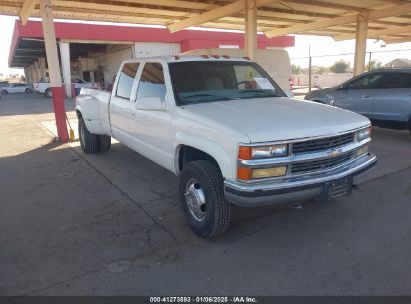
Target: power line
[(346, 54)]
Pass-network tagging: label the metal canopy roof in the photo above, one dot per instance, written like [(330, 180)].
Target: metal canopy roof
[(389, 20)]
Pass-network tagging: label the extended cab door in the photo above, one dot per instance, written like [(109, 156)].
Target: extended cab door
[(358, 94), (151, 115), (121, 106), (392, 106)]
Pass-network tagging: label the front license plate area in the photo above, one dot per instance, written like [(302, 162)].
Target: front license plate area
[(338, 188)]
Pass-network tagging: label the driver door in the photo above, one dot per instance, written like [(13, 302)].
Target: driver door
[(151, 125), (358, 95)]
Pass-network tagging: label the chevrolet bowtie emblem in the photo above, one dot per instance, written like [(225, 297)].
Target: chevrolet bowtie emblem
[(335, 153)]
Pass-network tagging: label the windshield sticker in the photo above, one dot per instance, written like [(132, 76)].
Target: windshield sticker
[(264, 83)]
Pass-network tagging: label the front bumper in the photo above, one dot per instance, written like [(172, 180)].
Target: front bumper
[(295, 189)]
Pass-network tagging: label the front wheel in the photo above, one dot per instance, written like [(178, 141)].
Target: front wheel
[(28, 90), (4, 92), (205, 208)]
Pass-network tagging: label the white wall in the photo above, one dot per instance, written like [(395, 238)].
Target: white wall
[(321, 80), (148, 49), (113, 60)]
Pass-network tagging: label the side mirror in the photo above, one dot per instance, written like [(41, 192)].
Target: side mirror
[(150, 104)]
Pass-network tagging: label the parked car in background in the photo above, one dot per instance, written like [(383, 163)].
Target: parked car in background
[(43, 87), (16, 88), (229, 132), (4, 84), (384, 96)]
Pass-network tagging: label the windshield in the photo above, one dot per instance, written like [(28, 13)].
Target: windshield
[(209, 81)]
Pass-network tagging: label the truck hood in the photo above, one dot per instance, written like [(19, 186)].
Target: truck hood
[(279, 118)]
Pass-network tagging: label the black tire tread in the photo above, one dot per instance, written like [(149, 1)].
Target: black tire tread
[(222, 210), (104, 143), (91, 140)]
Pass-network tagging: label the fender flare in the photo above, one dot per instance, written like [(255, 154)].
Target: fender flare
[(212, 148)]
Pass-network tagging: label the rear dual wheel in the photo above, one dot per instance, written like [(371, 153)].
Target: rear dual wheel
[(92, 143)]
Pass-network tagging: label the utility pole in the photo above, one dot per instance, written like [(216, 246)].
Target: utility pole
[(369, 62), (309, 68)]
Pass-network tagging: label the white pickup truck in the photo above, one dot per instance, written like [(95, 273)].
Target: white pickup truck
[(229, 132), (43, 87)]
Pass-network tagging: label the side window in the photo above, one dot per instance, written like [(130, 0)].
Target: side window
[(373, 81), (152, 82), (126, 79), (398, 81)]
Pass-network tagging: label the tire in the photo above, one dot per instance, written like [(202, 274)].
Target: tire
[(28, 90), (4, 92), (88, 141), (104, 143), (202, 181), (48, 93)]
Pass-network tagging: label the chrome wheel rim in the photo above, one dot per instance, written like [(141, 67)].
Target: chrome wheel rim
[(195, 200)]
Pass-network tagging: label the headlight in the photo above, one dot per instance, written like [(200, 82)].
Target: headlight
[(247, 173), (363, 134), (246, 153)]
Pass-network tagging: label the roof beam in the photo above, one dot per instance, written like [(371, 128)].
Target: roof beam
[(26, 10), (391, 11), (378, 33), (217, 13), (312, 26), (337, 6), (396, 40)]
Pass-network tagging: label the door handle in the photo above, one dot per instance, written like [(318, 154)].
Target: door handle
[(366, 96)]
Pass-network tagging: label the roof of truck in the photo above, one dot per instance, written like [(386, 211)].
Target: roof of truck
[(184, 58)]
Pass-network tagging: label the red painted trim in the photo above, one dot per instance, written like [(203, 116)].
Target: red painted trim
[(60, 113), (14, 42), (189, 39)]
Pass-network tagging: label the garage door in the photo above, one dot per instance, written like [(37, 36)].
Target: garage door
[(147, 49)]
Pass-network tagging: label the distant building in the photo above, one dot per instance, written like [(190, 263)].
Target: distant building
[(399, 63)]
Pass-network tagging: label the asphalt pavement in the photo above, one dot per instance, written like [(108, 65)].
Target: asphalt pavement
[(111, 224)]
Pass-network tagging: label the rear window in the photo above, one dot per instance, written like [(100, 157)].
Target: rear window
[(398, 81), (126, 80)]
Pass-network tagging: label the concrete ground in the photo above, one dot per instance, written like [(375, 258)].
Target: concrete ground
[(110, 224)]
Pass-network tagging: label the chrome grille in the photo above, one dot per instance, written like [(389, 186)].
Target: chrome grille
[(322, 144), (321, 164)]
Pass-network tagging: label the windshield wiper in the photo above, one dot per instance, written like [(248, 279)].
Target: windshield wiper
[(219, 97), (260, 91)]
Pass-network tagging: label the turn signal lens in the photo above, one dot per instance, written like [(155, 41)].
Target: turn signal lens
[(244, 173), (244, 153), (269, 172)]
